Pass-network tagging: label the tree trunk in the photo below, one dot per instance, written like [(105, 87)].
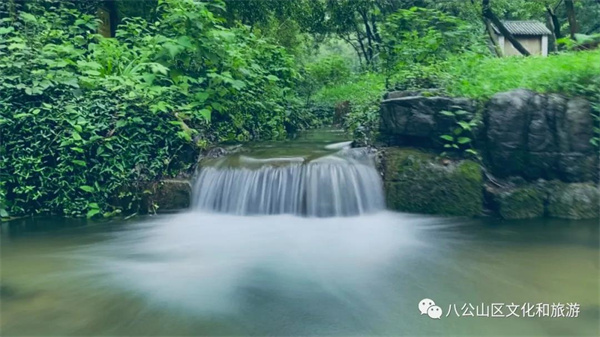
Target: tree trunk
[(495, 46), (369, 34), (555, 23), (359, 38), (571, 17), (113, 14), (488, 13)]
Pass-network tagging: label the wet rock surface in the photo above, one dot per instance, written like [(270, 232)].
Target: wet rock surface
[(540, 136), (416, 181), (553, 199), (417, 120)]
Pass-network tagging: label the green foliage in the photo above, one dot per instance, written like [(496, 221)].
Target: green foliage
[(462, 134), (326, 71), (417, 40), (476, 76), (363, 93), (87, 120)]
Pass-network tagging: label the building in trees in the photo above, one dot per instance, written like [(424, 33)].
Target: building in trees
[(533, 35)]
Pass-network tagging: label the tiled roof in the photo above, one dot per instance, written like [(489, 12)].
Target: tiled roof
[(524, 28)]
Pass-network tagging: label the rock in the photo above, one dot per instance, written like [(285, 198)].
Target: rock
[(171, 195), (524, 202), (216, 152), (540, 136), (574, 201), (415, 181), (407, 120)]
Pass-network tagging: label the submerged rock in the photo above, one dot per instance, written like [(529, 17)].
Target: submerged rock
[(574, 201), (416, 182)]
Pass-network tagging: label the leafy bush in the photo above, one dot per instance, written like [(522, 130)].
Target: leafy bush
[(86, 120), (416, 40), (363, 93), (573, 73), (326, 71)]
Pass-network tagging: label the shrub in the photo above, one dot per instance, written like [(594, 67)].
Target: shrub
[(85, 119)]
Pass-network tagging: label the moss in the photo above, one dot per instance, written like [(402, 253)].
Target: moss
[(172, 195), (416, 182), (574, 201), (521, 203)]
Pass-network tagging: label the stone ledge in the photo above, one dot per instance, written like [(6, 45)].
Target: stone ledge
[(553, 199)]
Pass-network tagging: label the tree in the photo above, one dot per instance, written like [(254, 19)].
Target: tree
[(571, 17), (489, 14), (554, 20)]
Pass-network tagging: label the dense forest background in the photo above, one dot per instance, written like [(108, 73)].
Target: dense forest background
[(86, 120)]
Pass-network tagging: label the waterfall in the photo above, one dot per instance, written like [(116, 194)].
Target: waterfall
[(335, 185)]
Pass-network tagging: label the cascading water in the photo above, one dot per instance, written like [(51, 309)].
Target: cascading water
[(340, 184)]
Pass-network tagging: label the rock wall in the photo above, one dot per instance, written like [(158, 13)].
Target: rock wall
[(541, 139), (416, 120), (540, 136)]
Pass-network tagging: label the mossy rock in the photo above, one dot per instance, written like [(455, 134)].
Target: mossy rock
[(171, 195), (416, 182), (525, 202), (574, 201)]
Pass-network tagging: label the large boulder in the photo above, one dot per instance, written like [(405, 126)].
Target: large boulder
[(417, 120), (574, 201), (416, 181), (540, 136)]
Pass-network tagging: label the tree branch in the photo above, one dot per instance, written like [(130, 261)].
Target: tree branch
[(488, 13)]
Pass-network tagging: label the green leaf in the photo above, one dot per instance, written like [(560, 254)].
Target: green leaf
[(21, 115), (79, 162), (237, 84), (6, 30), (447, 137), (206, 114), (92, 212), (76, 135), (201, 97), (27, 17), (464, 125), (464, 140), (272, 78), (86, 188), (447, 113)]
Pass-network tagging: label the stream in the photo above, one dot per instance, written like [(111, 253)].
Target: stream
[(292, 238)]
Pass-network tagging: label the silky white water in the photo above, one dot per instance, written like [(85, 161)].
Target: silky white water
[(330, 186)]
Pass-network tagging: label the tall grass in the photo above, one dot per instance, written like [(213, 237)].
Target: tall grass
[(573, 73)]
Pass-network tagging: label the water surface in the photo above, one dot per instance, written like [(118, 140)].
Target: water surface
[(328, 260), (212, 274)]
